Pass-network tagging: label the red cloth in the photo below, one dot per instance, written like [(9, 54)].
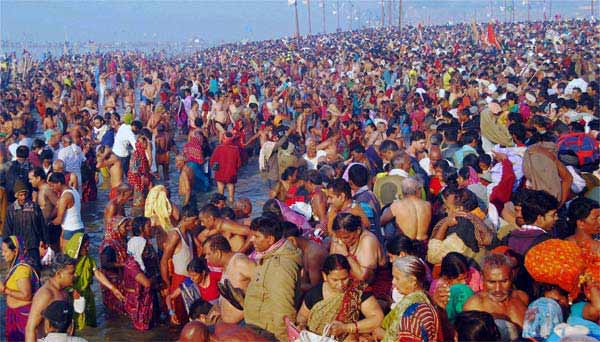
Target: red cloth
[(211, 292), (502, 192), (229, 159), (113, 194), (179, 306)]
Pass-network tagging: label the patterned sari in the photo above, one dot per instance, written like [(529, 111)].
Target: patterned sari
[(139, 175), (84, 271), (413, 319), (343, 307), (139, 303), (113, 240)]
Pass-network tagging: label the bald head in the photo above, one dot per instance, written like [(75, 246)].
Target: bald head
[(58, 166), (435, 153), (242, 207), (194, 332)]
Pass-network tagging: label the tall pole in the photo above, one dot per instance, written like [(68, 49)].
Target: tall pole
[(512, 12), (296, 16), (592, 8), (309, 23), (390, 16), (382, 13), (400, 15), (324, 28), (550, 10), (528, 10), (351, 16), (338, 16)]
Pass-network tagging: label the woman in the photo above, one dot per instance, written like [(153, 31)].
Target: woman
[(414, 318), (476, 326), (19, 286), (85, 270), (139, 175), (340, 301), (113, 253), (201, 284), (139, 303), (88, 173)]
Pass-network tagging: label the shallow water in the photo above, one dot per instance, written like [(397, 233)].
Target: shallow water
[(249, 185)]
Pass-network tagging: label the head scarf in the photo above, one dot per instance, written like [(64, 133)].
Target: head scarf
[(135, 248), (158, 207), (193, 150), (556, 262), (113, 239), (541, 317), (473, 177), (74, 246), (22, 259), (494, 131), (139, 172)]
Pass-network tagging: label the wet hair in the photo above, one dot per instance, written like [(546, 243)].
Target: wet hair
[(388, 145), (538, 204), (335, 262), (411, 186), (22, 151), (453, 265), (266, 226), (137, 225), (218, 243), (475, 326), (340, 186), (199, 307), (579, 209), (198, 265), (402, 243), (358, 174), (57, 177), (289, 229), (189, 210), (38, 171), (288, 172), (347, 222), (412, 266), (210, 210), (61, 261)]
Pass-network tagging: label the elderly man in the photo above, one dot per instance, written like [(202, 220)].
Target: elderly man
[(411, 213), (73, 157), (498, 296)]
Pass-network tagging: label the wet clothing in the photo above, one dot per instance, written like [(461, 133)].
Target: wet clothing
[(226, 160)]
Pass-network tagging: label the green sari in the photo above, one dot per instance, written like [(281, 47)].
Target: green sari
[(392, 320), (84, 272)]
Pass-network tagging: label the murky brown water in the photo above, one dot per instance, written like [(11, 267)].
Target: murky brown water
[(249, 185)]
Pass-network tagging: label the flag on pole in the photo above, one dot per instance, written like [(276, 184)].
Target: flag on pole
[(492, 36)]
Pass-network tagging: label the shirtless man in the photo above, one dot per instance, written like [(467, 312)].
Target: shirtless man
[(498, 297), (411, 213), (106, 158), (242, 207), (62, 276), (179, 250), (234, 232), (313, 256), (45, 197), (237, 269), (116, 206), (58, 166), (186, 180)]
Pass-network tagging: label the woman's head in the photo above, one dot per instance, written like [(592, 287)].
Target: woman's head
[(198, 269), (400, 246), (347, 227), (10, 249), (473, 326), (455, 267), (410, 274), (336, 271)]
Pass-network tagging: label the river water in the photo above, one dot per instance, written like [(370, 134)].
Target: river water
[(249, 185)]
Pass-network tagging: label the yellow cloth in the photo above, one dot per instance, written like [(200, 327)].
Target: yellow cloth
[(437, 249), (22, 272), (158, 208)]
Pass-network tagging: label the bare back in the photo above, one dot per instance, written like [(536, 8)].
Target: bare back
[(238, 271), (413, 216)]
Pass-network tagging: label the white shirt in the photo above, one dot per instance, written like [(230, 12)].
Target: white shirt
[(311, 163), (72, 156), (123, 139), (61, 337)]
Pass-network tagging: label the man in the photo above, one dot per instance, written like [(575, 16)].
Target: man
[(411, 213), (116, 206), (539, 214), (73, 157), (235, 233), (124, 141), (186, 181), (106, 158), (358, 178), (237, 270), (179, 250), (226, 161), (450, 143), (316, 196), (68, 214), (313, 256), (242, 208), (58, 318), (62, 275), (25, 219), (18, 170), (47, 200), (498, 297), (71, 178), (271, 294), (469, 143), (339, 198)]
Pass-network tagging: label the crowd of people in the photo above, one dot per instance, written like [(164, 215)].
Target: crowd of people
[(435, 183)]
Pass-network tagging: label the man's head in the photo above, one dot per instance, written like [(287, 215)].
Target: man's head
[(497, 277), (417, 141), (62, 270), (411, 186), (58, 316), (22, 153), (58, 166), (401, 161), (37, 177), (124, 193), (387, 149), (540, 209), (358, 176), (194, 331), (57, 181), (215, 249), (338, 193), (242, 208), (208, 215), (189, 217), (265, 233), (584, 215), (141, 226)]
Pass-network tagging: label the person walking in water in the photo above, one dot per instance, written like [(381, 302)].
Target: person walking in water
[(226, 161), (69, 209)]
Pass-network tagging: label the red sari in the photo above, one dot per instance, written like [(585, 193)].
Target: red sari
[(139, 176), (138, 299), (113, 240)]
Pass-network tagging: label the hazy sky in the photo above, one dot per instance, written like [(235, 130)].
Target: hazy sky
[(228, 20)]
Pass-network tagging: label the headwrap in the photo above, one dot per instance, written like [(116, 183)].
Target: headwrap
[(113, 239), (21, 259), (494, 131), (541, 317), (556, 262), (135, 248), (158, 207), (193, 150)]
